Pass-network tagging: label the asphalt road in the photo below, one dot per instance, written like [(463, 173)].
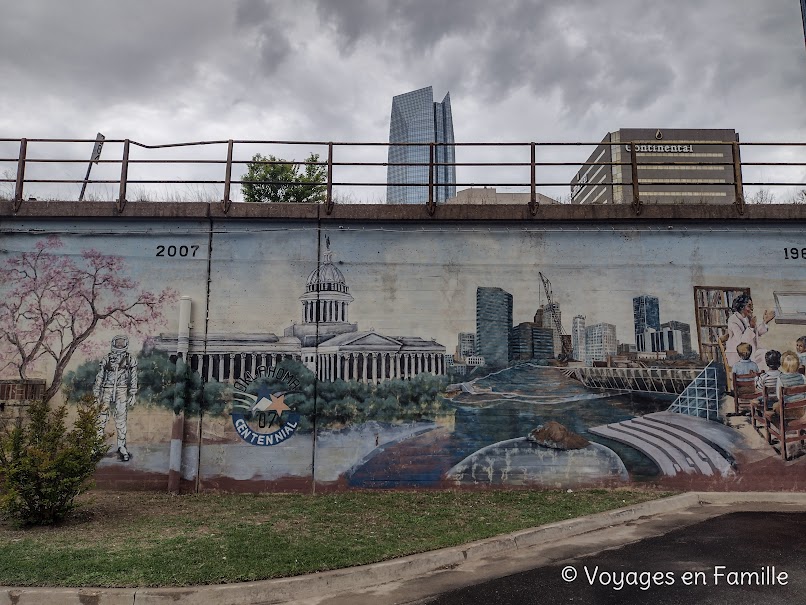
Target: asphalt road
[(699, 563)]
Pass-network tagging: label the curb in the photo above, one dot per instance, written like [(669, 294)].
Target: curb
[(404, 568)]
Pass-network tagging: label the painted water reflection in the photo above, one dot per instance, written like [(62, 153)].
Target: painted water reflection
[(506, 405)]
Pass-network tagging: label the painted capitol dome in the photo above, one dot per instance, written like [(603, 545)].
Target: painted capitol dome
[(326, 277)]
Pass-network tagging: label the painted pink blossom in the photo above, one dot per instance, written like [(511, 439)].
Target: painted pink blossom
[(51, 304)]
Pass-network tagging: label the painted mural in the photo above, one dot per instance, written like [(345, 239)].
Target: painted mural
[(419, 356)]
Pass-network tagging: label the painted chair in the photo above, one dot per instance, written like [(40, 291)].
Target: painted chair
[(788, 425), (745, 395), (768, 399)]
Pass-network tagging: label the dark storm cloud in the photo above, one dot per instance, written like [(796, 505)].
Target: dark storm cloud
[(628, 54), (251, 12), (327, 69), (106, 50), (272, 43), (411, 24)]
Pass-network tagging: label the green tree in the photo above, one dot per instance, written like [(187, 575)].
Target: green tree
[(161, 382), (44, 466), (287, 183)]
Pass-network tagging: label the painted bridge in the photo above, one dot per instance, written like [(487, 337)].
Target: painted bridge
[(672, 381)]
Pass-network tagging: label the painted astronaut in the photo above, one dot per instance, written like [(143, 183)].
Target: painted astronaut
[(115, 389)]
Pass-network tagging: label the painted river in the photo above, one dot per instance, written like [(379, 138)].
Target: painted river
[(506, 405)]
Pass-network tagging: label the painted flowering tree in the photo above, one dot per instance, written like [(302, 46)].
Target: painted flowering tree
[(51, 305)]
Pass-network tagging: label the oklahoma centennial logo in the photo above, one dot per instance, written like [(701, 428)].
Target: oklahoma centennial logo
[(264, 419)]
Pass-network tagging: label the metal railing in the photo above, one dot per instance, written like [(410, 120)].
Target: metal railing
[(334, 149)]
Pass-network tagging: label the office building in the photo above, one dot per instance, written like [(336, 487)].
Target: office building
[(600, 342), (466, 345), (529, 340), (674, 166), (550, 316), (578, 336), (646, 315), (489, 196), (493, 323), (416, 118), (685, 335)]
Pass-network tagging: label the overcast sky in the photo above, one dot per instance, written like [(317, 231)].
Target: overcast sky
[(517, 70)]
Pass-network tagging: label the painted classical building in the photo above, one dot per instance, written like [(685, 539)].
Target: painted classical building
[(224, 357), (335, 349), (325, 341)]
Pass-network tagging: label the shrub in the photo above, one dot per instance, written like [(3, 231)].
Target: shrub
[(44, 466)]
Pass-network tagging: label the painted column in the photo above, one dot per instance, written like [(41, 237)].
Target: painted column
[(363, 367), (175, 452), (355, 366), (183, 335)]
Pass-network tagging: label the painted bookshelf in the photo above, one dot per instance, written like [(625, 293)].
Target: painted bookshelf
[(712, 310)]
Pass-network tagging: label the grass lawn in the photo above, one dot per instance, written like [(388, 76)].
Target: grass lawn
[(148, 539)]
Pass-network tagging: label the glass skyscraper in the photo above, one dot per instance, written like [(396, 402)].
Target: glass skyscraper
[(493, 324), (646, 316), (416, 118)]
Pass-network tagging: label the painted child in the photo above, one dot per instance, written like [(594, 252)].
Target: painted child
[(789, 377), (769, 378), (800, 347), (745, 365)]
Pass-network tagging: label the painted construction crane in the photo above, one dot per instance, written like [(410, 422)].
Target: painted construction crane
[(567, 353)]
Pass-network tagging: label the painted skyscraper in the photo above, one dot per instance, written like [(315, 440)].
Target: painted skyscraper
[(578, 337), (600, 342), (646, 316), (493, 323), (416, 118)]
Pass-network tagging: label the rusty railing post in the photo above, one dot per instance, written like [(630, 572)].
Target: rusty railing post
[(124, 176), (533, 205), (329, 195), (432, 206), (636, 199), (227, 202), (18, 191), (737, 177)]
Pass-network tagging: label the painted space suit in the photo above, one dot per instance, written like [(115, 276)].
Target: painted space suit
[(115, 389)]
